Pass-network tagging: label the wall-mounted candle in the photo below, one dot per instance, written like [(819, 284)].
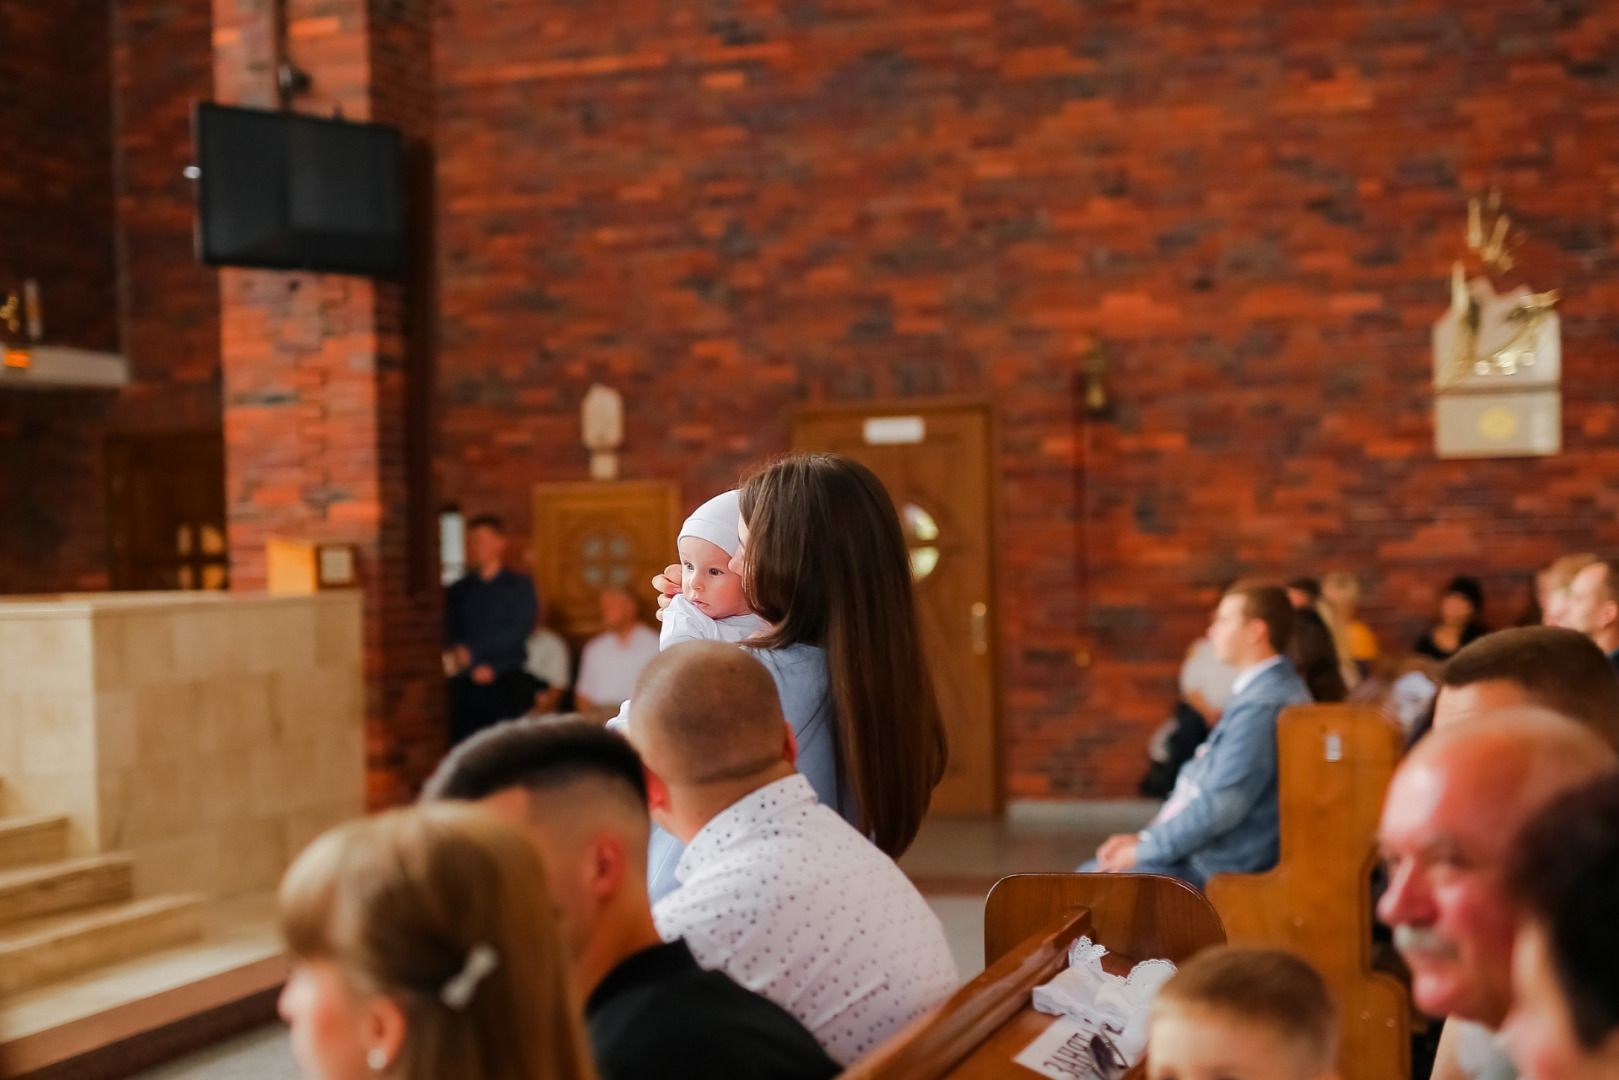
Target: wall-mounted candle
[(32, 312)]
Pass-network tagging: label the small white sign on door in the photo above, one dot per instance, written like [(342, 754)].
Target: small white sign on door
[(894, 430)]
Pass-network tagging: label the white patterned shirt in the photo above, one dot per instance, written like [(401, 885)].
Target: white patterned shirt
[(788, 899)]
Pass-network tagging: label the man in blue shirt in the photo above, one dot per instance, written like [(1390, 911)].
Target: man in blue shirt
[(1222, 817), (488, 616)]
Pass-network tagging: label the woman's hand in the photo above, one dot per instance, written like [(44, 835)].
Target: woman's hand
[(669, 583)]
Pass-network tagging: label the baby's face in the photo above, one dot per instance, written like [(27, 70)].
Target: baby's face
[(1187, 1042), (710, 584)]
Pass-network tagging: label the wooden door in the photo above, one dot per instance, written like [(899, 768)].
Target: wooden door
[(597, 535), (935, 464), (166, 511)]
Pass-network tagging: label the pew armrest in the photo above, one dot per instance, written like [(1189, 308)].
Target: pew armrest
[(937, 1041)]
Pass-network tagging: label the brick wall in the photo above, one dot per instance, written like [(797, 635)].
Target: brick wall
[(315, 376), (93, 204), (725, 209), (169, 311), (56, 226), (56, 185)]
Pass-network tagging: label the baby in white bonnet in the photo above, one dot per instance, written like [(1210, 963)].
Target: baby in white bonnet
[(711, 605)]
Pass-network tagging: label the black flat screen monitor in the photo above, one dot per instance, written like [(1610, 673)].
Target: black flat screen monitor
[(290, 192)]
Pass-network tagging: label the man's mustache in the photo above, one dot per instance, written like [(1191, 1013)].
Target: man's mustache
[(1424, 940)]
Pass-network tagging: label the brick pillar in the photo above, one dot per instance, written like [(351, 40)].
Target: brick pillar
[(317, 441)]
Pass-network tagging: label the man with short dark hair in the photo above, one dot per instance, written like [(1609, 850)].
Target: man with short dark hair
[(1593, 606), (488, 616), (1548, 666), (580, 795), (1222, 817)]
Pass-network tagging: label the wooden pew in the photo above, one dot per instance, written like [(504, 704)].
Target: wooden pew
[(1335, 765), (1029, 922)]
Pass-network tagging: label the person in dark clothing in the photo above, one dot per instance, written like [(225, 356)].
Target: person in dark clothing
[(579, 793), (488, 616), (654, 1016), (1460, 608)]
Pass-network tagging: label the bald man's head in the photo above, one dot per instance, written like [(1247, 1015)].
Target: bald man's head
[(704, 712), (1451, 814), (1512, 756)]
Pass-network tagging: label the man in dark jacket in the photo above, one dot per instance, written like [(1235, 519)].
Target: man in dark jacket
[(488, 616)]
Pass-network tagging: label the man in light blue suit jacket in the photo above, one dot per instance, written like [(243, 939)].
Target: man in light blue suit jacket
[(1222, 817)]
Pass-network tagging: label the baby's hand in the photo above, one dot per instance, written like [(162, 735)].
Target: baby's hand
[(669, 583)]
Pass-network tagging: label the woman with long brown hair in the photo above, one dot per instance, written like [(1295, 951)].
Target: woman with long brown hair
[(424, 947), (824, 561)]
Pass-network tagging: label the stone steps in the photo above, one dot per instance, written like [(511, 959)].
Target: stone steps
[(33, 892), (117, 1019), (28, 841), (40, 951)]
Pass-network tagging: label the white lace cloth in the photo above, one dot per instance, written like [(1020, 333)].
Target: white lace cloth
[(1112, 1007)]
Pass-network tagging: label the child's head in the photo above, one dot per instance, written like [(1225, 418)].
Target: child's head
[(1243, 1014), (707, 542)]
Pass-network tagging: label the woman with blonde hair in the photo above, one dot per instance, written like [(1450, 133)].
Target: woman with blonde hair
[(424, 947)]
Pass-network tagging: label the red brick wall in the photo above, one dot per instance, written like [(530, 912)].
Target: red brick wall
[(727, 209), (56, 226), (56, 186), (162, 65), (102, 118), (53, 526), (315, 377)]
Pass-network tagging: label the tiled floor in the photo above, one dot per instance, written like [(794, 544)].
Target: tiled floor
[(953, 862), (259, 1055), (967, 855)]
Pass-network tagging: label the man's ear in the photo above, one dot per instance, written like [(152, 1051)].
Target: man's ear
[(789, 749), (1256, 632), (608, 864), (657, 792)]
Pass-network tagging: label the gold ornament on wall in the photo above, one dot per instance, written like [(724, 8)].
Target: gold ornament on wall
[(1491, 333), (1497, 355)]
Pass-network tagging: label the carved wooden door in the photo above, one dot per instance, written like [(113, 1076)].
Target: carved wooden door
[(592, 536)]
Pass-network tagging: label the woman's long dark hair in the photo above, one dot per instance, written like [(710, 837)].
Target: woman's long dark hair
[(1315, 656), (827, 566)]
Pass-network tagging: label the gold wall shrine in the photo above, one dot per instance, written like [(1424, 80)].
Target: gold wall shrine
[(1497, 356)]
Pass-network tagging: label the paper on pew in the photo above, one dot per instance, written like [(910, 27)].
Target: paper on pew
[(1111, 1011), (1068, 1050)]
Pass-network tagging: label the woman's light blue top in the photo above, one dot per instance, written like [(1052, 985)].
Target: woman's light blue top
[(806, 700)]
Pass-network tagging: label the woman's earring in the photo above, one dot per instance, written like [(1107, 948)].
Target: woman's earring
[(377, 1059)]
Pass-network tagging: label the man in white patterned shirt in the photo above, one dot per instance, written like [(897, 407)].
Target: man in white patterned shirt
[(776, 890)]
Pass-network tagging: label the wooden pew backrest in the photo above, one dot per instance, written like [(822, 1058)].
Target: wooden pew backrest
[(1140, 915), (1336, 762)]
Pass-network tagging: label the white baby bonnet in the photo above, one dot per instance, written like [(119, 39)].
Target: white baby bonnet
[(715, 521)]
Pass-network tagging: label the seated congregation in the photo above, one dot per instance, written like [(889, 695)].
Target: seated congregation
[(707, 885)]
